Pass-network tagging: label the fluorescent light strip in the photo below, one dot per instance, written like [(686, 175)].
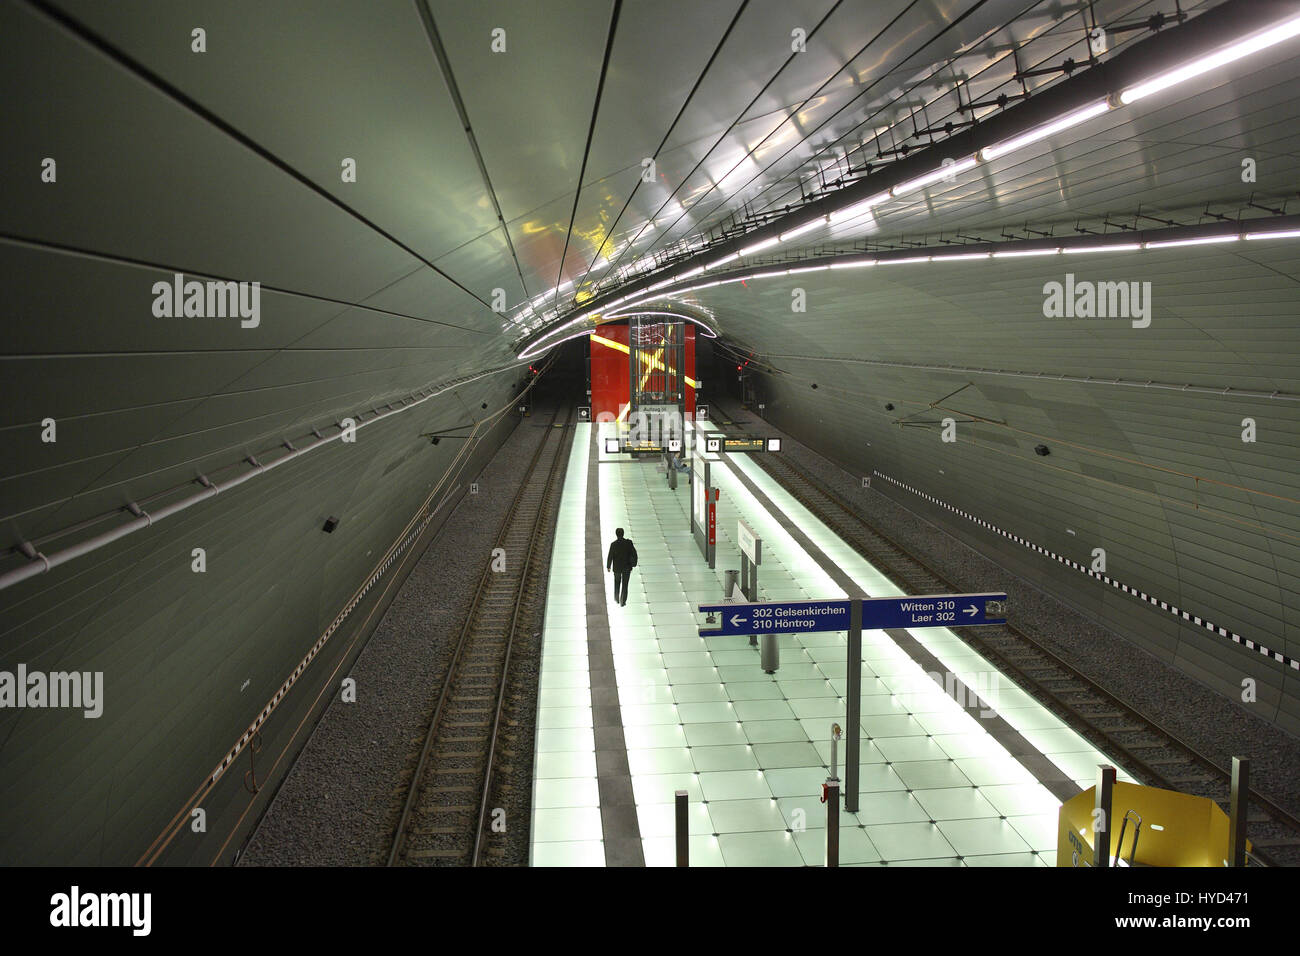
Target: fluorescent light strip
[(634, 298), (857, 209), (1027, 252), (1252, 44), (1122, 247), (800, 230), (693, 272), (679, 315), (1288, 234), (723, 261), (943, 172), (540, 348), (1189, 242), (1042, 132), (750, 250)]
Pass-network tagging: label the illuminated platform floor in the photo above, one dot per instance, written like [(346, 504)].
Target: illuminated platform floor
[(753, 750)]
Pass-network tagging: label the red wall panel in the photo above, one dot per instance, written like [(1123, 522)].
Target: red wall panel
[(610, 385)]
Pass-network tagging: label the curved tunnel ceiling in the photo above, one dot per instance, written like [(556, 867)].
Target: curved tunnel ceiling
[(418, 186)]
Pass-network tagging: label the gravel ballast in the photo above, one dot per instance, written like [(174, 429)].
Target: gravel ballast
[(334, 807)]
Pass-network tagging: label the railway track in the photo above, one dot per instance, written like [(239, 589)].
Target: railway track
[(447, 806), (1152, 754)]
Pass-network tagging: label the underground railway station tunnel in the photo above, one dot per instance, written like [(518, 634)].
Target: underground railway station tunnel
[(621, 433)]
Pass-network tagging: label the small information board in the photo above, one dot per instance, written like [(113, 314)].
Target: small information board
[(750, 544), (786, 617), (934, 610)]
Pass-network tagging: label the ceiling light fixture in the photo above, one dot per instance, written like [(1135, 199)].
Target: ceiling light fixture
[(857, 209), (1189, 242), (750, 250), (800, 230), (1228, 54), (723, 261), (943, 172), (1119, 247), (1044, 131), (1027, 252), (1288, 234)]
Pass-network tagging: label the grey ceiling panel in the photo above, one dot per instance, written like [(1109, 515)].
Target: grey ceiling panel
[(484, 265), (141, 177), (532, 134), (317, 82), (539, 241), (638, 105)]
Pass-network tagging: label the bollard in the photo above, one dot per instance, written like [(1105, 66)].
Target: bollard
[(730, 577), (831, 797), (683, 830), (831, 794)]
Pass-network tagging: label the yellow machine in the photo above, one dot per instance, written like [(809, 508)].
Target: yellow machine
[(1148, 827)]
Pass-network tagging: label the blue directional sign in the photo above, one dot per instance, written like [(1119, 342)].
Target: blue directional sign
[(785, 617), (934, 610), (794, 617)]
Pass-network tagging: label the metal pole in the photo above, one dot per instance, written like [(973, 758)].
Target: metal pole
[(1240, 806), (683, 830), (1101, 820), (853, 714), (832, 822), (744, 587)]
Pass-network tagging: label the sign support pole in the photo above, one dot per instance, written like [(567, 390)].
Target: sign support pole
[(853, 714)]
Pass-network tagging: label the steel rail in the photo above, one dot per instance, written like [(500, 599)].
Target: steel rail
[(415, 785), (542, 509)]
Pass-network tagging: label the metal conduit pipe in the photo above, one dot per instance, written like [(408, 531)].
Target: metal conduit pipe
[(41, 563)]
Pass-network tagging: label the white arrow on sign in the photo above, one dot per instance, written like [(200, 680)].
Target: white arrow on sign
[(737, 620), (971, 610)]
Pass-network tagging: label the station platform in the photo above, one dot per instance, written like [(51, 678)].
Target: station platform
[(635, 705)]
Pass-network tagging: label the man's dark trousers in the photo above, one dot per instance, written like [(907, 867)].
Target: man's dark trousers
[(621, 576)]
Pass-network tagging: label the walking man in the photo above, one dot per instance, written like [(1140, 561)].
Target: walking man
[(621, 560)]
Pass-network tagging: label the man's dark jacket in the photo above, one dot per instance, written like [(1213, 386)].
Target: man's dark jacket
[(622, 555)]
